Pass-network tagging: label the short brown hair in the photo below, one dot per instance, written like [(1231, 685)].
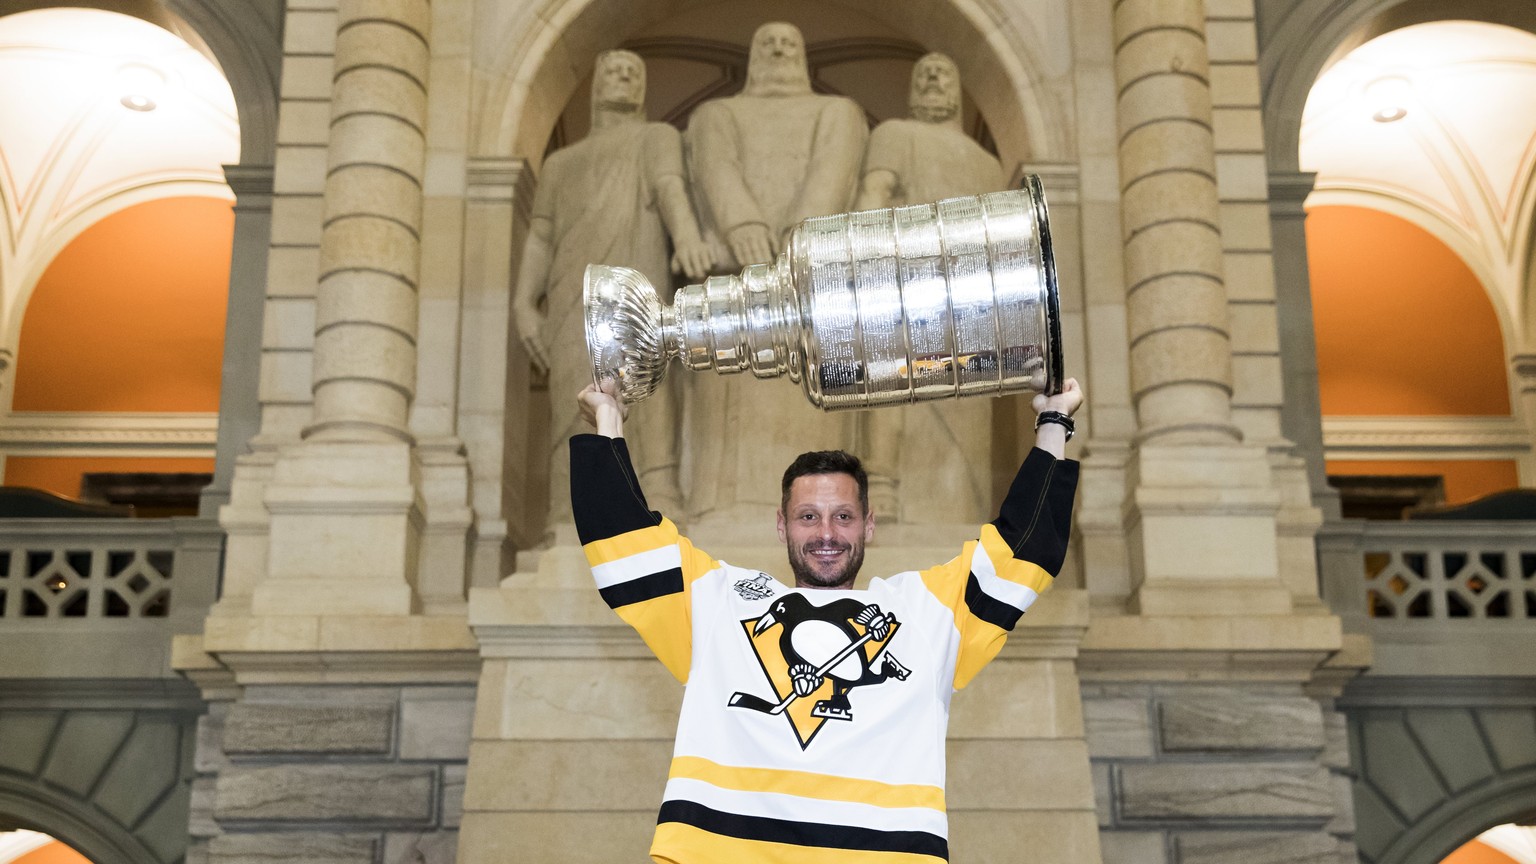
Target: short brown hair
[(825, 462)]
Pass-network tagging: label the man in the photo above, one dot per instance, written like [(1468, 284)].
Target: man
[(611, 198), (760, 163), (914, 161), (802, 736), (774, 155)]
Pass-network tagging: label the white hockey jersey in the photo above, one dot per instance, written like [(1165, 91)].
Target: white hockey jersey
[(853, 771)]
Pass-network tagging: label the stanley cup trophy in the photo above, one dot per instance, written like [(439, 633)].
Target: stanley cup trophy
[(880, 307)]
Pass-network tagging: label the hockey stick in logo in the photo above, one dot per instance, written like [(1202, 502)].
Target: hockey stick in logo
[(758, 703)]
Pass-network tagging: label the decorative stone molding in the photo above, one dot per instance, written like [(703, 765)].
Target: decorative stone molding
[(82, 433), (1368, 438)]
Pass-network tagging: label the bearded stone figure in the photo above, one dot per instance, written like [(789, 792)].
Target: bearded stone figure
[(774, 155), (760, 163), (611, 198), (913, 161)]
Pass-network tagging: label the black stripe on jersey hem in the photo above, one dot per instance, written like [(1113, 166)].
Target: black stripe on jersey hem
[(642, 589), (989, 608), (766, 830)]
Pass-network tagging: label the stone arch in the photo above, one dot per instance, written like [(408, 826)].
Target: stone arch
[(1312, 33), (33, 805), (1432, 776), (551, 49), (245, 43)]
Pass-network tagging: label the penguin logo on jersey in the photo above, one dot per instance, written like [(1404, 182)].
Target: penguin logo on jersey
[(814, 655), (758, 587)]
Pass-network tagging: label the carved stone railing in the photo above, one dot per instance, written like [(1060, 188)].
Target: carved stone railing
[(1437, 597), (102, 597)]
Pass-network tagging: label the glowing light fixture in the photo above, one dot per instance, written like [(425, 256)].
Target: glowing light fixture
[(141, 87), (1389, 97)]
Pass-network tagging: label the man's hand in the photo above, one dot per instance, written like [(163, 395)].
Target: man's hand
[(693, 259), (530, 331), (751, 243), (603, 408), (805, 679), (1052, 437), (874, 622)]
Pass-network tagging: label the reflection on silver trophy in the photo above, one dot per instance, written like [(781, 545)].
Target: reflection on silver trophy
[(880, 307)]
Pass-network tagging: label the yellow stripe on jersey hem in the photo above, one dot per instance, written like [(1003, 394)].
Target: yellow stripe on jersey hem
[(677, 843), (805, 784)]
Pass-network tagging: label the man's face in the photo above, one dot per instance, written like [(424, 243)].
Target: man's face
[(936, 85), (825, 528), (621, 79), (778, 46)]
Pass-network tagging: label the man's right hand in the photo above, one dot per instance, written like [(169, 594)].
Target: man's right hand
[(751, 243), (603, 408)]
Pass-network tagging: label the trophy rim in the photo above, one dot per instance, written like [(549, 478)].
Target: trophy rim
[(1054, 378)]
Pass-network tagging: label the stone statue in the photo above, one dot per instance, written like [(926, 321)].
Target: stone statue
[(774, 155), (611, 198), (914, 161), (760, 163)]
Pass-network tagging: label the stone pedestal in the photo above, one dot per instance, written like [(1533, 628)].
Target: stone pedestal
[(575, 721)]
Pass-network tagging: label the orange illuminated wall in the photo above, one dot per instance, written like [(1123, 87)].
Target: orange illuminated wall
[(53, 853), (128, 317), (1404, 328), (1478, 853)]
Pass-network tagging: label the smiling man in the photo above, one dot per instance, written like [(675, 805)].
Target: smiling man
[(802, 737)]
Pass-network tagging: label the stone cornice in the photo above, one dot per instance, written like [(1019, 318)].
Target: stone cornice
[(1411, 437), (39, 433)]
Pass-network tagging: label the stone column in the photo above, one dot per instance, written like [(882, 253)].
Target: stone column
[(1181, 353), (1201, 522), (1523, 368), (1301, 417), (370, 251), (239, 399), (345, 502)]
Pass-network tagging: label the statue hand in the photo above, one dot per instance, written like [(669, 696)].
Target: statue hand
[(530, 331), (751, 243), (693, 259)]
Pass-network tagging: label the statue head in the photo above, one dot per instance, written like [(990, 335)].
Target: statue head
[(935, 94), (777, 65), (618, 86)]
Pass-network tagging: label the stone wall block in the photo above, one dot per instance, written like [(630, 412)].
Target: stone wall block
[(387, 45), (589, 776), (1256, 847), (314, 848), (1240, 721), (24, 737), (375, 189), (364, 351), (259, 728), (1018, 775), (1176, 300), (1166, 171), (1184, 354), (413, 15), (1162, 52), (436, 847), (1118, 728), (1165, 98), (1175, 247), (399, 794), (372, 243), (390, 302), (341, 401), (372, 90), (1249, 792), (1134, 847), (436, 726), (374, 139), (1136, 16)]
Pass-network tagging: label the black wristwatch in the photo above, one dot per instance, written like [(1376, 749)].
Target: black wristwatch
[(1059, 419)]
